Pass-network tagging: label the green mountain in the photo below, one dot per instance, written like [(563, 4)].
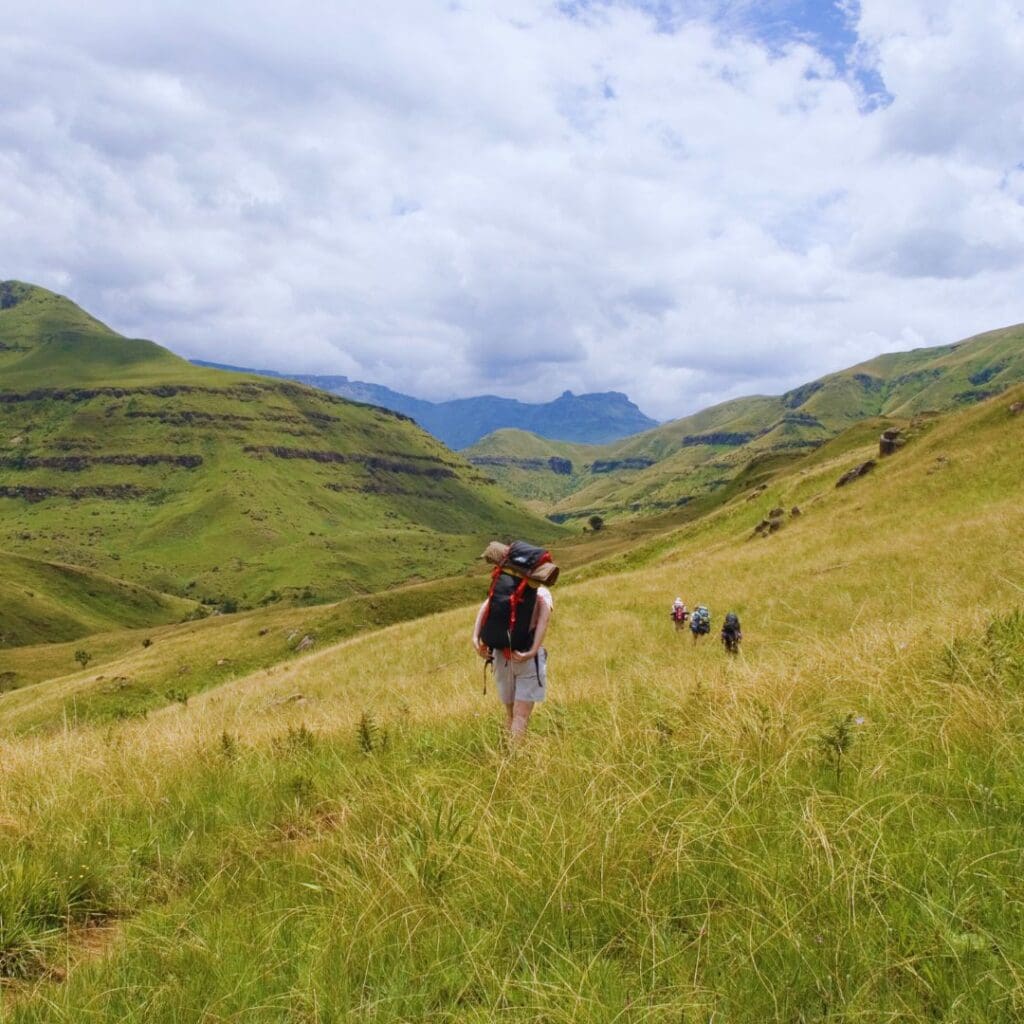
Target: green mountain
[(118, 456), (587, 419), (686, 459)]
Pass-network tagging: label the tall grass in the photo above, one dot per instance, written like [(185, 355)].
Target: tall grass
[(668, 854), (827, 828)]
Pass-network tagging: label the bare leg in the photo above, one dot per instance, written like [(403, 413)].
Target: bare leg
[(508, 716), (519, 717)]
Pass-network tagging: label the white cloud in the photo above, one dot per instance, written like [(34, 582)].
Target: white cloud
[(451, 199)]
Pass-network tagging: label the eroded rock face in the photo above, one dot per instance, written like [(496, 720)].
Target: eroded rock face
[(11, 293), (111, 492), (858, 471), (76, 463)]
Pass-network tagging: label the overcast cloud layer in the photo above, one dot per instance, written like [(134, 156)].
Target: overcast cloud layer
[(686, 201)]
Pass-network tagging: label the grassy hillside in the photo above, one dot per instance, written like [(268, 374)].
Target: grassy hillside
[(689, 458), (117, 456), (538, 471), (48, 602), (826, 828)]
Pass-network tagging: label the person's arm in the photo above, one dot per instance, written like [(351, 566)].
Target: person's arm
[(543, 617), (481, 648)]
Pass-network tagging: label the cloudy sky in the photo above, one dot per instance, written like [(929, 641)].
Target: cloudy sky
[(685, 200)]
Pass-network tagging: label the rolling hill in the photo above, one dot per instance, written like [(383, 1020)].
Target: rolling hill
[(48, 602), (117, 456), (686, 459), (826, 827)]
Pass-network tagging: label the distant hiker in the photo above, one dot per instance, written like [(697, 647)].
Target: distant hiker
[(679, 614), (700, 623), (510, 627), (731, 633)]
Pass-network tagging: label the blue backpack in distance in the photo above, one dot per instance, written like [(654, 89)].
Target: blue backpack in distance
[(700, 621)]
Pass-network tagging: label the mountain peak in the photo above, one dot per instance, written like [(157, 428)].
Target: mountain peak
[(47, 339)]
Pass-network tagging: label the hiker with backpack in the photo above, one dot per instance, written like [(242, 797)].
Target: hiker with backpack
[(700, 623), (731, 633), (679, 614), (510, 627)]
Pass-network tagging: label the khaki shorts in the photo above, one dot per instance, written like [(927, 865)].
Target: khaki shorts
[(521, 680)]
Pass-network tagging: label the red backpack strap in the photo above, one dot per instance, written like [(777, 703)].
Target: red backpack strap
[(490, 594), (513, 608)]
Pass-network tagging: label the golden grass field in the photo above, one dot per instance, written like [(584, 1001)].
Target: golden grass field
[(827, 827)]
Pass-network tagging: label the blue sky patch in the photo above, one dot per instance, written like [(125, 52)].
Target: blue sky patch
[(830, 26)]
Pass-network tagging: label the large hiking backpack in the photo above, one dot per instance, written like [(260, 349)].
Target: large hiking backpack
[(679, 613), (700, 621), (512, 598), (731, 634)]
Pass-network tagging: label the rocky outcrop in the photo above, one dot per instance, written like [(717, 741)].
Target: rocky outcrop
[(985, 375), (371, 462), (795, 398), (11, 293), (891, 441), (772, 523), (77, 463), (611, 465), (731, 440), (800, 419), (190, 417), (109, 492), (856, 473), (977, 395), (563, 467), (869, 383), (249, 392)]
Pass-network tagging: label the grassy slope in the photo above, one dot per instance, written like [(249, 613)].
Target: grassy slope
[(47, 602), (516, 451), (897, 386), (244, 524), (683, 837), (134, 671)]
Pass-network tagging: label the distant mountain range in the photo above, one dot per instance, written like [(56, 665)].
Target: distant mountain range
[(588, 419), (687, 459)]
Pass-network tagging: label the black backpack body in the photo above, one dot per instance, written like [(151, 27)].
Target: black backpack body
[(498, 631), (512, 599)]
